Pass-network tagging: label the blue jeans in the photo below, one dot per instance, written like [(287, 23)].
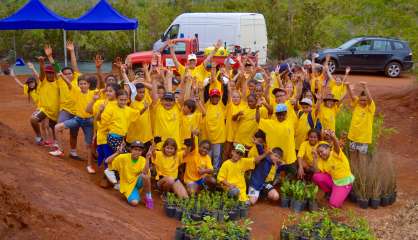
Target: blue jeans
[(85, 123), (216, 154), (64, 116)]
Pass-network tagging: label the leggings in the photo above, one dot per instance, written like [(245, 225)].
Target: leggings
[(338, 193), (114, 141)]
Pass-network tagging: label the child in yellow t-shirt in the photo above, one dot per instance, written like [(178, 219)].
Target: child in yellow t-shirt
[(361, 127), (133, 172), (231, 174), (199, 167), (306, 121), (167, 162), (305, 153), (326, 110)]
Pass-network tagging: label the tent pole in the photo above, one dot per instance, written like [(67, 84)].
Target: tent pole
[(14, 45), (65, 47), (135, 40)]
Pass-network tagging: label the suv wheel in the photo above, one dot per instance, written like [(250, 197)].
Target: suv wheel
[(393, 69), (332, 65)]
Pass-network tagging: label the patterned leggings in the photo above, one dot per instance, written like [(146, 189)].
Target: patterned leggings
[(114, 141)]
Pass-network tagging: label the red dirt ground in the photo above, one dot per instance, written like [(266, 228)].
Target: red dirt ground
[(48, 198)]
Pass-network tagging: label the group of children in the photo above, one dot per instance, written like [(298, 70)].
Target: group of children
[(202, 125)]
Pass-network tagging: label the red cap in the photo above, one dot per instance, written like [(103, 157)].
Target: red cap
[(49, 69), (214, 92)]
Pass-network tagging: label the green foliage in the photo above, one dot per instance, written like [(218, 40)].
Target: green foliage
[(294, 27), (209, 229)]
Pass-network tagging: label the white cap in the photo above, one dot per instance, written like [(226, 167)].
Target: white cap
[(306, 101), (307, 62), (191, 57)]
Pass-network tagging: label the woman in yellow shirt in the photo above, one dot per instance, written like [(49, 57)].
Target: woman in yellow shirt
[(305, 158), (133, 172), (167, 164), (332, 171)]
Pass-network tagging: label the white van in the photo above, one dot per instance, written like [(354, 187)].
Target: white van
[(247, 30)]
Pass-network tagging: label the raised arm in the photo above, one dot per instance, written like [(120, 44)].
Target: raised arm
[(48, 53), (154, 90), (89, 108), (13, 75), (261, 157), (168, 81), (70, 48), (349, 91), (42, 74), (34, 72), (170, 45), (366, 90), (98, 60), (208, 59), (66, 80)]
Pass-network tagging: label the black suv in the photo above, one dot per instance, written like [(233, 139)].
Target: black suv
[(370, 54)]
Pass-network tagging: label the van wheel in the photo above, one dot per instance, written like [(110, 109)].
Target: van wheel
[(332, 66), (393, 69)]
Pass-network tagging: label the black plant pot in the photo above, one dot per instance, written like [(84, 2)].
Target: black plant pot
[(374, 203), (170, 210), (233, 215), (363, 203), (179, 213), (299, 205), (312, 205), (392, 198), (284, 234), (352, 197), (179, 233), (284, 202), (385, 200), (292, 202), (196, 217), (243, 211), (220, 217), (187, 237), (304, 238)]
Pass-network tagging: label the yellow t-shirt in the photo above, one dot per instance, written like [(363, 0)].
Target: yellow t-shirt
[(199, 72), (327, 116), (188, 124), (167, 122), (234, 172), (141, 128), (49, 99), (361, 126), (336, 165), (339, 91), (117, 120), (305, 152), (231, 126), (67, 102), (248, 126), (302, 128), (194, 161), (282, 135), (317, 82), (167, 166), (81, 100), (101, 130), (129, 171), (215, 123), (34, 94)]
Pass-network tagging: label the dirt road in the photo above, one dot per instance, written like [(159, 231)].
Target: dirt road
[(48, 198)]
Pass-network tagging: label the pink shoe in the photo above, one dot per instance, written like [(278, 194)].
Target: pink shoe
[(149, 203), (57, 153)]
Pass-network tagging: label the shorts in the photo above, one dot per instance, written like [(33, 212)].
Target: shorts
[(103, 152), (40, 116), (361, 147), (85, 123), (64, 116), (114, 141), (135, 192), (267, 187), (199, 182)]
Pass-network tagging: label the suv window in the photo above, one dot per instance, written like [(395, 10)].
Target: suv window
[(380, 45), (363, 45), (397, 45)]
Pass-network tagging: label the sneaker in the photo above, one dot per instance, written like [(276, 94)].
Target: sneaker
[(90, 169), (39, 141), (57, 153), (111, 176), (116, 187), (149, 203), (48, 143)]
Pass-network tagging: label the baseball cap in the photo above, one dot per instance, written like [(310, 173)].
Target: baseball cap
[(191, 57), (214, 92), (306, 101), (331, 97), (281, 108), (307, 62), (259, 77), (240, 148), (278, 90), (169, 96), (137, 144), (49, 69)]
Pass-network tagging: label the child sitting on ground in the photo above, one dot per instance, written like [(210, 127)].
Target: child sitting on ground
[(133, 172)]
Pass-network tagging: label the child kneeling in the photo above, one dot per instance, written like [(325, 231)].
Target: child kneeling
[(133, 172)]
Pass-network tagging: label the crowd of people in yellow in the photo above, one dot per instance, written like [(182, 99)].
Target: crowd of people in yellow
[(202, 125)]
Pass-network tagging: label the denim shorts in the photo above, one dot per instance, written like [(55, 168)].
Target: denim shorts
[(85, 123), (64, 116), (361, 147)]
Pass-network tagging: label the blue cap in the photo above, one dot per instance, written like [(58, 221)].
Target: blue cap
[(281, 108)]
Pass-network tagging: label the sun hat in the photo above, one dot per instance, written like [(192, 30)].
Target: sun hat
[(240, 148), (137, 144), (169, 96), (259, 77), (307, 62), (214, 92), (281, 108), (278, 90), (306, 101), (191, 57)]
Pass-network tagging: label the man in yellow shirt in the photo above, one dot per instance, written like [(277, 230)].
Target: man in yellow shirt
[(280, 133), (361, 127)]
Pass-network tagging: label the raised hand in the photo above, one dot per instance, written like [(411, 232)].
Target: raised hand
[(218, 44), (170, 43), (121, 148), (30, 65), (41, 59), (98, 60), (118, 62), (96, 95), (70, 46), (12, 72), (347, 70), (48, 50)]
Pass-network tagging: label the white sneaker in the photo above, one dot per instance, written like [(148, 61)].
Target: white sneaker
[(57, 153), (117, 186), (90, 169), (111, 176)]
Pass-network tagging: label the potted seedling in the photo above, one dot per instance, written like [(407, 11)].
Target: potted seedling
[(169, 205), (179, 233), (311, 191), (244, 230), (243, 210), (299, 203), (233, 213), (179, 209), (306, 226), (285, 194)]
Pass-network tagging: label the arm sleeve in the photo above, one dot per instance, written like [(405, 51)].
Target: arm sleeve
[(248, 163), (260, 151), (302, 150), (115, 165), (222, 174)]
